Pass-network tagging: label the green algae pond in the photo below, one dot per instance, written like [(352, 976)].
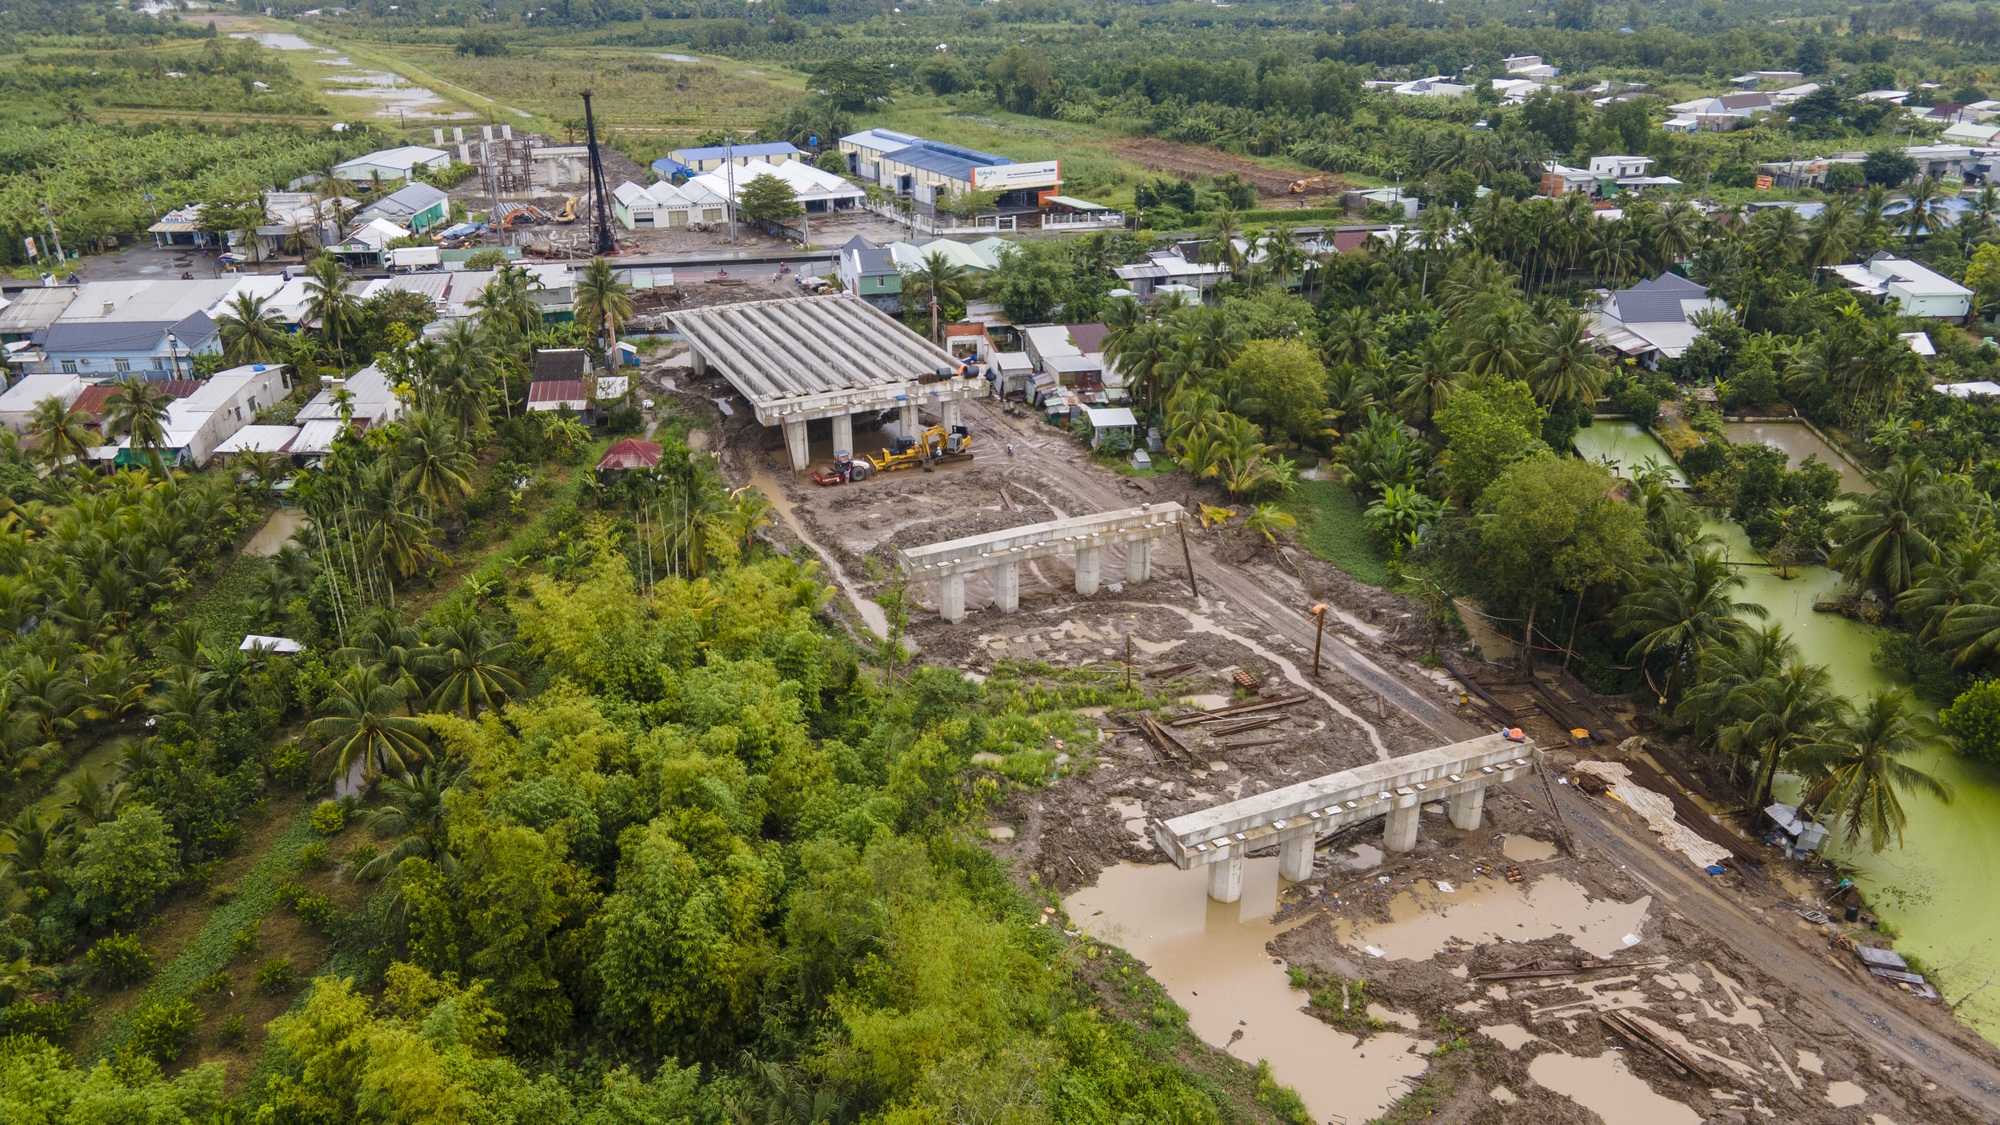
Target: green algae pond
[(1940, 892), (1624, 448)]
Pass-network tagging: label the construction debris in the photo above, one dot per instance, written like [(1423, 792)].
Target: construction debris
[(1171, 670), (1657, 811), (1160, 738), (1222, 729), (1238, 709)]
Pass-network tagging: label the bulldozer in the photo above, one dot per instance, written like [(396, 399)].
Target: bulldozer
[(934, 446)]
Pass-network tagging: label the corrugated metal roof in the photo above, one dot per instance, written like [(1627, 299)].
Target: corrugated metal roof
[(33, 309), (720, 152)]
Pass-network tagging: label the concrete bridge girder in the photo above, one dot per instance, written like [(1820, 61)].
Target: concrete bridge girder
[(1295, 817), (1003, 552)]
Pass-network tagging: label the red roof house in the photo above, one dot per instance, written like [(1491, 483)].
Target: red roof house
[(630, 454)]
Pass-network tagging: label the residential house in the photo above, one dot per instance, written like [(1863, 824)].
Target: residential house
[(391, 164), (95, 401), (1168, 269), (362, 399), (1529, 66), (1562, 179), (416, 206), (630, 454), (27, 313), (710, 158), (931, 172), (295, 222), (562, 363), (154, 326), (1108, 420), (1887, 97), (1943, 160), (1073, 354), (1791, 94), (1652, 320), (1917, 290), (1805, 173), (1969, 133), (1757, 77), (573, 395), (915, 255), (1395, 199), (1435, 86), (17, 405), (226, 402), (869, 272), (1718, 114), (1516, 91), (182, 226)]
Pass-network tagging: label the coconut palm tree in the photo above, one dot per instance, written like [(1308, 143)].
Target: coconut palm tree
[(1268, 520), (507, 305), (603, 302), (457, 376), (1775, 715), (251, 332), (414, 815), (1922, 218), (137, 410), (330, 307), (438, 466), (1568, 368), (1858, 764), (1430, 375), (1725, 669), (358, 725), (468, 664), (59, 433), (1890, 532), (937, 283), (1680, 609)]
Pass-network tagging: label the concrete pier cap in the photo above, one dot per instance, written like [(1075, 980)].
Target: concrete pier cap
[(1083, 537), (1293, 819)]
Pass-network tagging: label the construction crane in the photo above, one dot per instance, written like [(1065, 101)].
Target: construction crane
[(600, 197)]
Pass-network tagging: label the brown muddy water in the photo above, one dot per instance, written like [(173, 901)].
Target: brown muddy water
[(1605, 1087), (1422, 923), (1210, 958)]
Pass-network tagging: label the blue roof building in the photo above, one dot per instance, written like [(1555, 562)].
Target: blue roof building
[(712, 157)]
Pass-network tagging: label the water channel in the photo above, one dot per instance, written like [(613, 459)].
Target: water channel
[(1940, 890)]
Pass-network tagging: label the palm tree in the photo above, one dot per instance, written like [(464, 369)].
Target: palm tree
[(507, 304), (1283, 254), (1569, 368), (1681, 609), (603, 302), (59, 433), (937, 283), (1224, 228), (439, 466), (358, 725), (1774, 716), (1430, 375), (329, 305), (250, 331), (1922, 217), (414, 816), (1889, 533), (1727, 668), (1269, 519), (1858, 763), (138, 410), (469, 665), (456, 376)]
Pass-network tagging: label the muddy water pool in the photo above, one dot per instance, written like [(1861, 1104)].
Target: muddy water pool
[(1424, 921), (389, 95), (1624, 447), (1797, 441), (1210, 958), (1604, 1086)]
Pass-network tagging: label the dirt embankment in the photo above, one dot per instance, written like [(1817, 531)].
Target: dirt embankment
[(1190, 161)]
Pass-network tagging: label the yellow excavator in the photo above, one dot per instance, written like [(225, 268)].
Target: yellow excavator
[(934, 446), (568, 214)]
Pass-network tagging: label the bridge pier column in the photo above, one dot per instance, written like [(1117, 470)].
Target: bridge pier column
[(843, 432), (1466, 808), (952, 411), (1007, 587), (1399, 828), (951, 597), (1295, 858), (1225, 878), (906, 420), (1089, 561), (1138, 561), (795, 443)]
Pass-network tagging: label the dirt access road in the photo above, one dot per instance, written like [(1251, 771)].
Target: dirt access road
[(1189, 161), (1965, 1068), (1862, 1006)]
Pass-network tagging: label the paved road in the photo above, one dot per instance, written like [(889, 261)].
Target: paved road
[(1872, 1012)]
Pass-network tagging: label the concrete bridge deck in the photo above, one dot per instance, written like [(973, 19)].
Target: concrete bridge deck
[(1294, 817)]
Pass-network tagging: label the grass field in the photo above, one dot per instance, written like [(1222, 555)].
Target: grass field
[(1330, 526)]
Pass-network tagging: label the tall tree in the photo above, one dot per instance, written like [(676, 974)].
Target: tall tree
[(330, 306), (138, 410), (251, 331), (1859, 763)]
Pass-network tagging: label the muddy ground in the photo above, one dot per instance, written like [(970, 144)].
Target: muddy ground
[(1765, 1055)]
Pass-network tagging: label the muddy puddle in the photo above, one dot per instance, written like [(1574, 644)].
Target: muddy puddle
[(1210, 958), (1424, 921), (391, 96), (276, 532), (1604, 1086), (1527, 849)]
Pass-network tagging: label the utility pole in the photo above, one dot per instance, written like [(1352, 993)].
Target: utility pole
[(729, 163), (600, 199)]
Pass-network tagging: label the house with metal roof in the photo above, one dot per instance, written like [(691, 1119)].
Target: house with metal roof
[(1169, 267), (869, 272), (1652, 319), (667, 205), (416, 206), (816, 189), (1917, 290), (224, 403), (151, 326), (711, 157), (391, 164), (17, 405), (552, 395)]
